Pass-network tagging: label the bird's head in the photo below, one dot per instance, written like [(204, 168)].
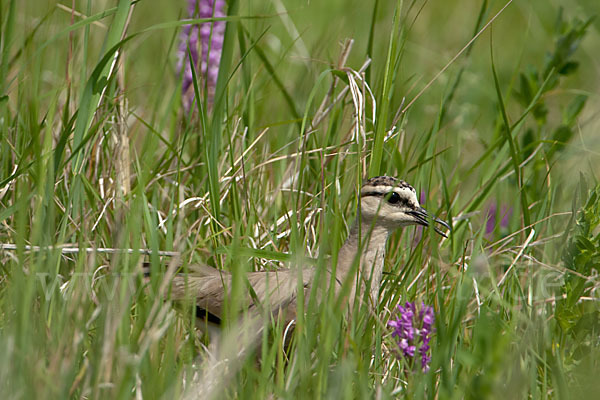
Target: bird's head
[(394, 203)]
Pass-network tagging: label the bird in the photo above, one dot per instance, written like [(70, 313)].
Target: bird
[(385, 205)]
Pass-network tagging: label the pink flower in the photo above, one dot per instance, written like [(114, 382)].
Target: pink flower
[(412, 329), (493, 219), (211, 36)]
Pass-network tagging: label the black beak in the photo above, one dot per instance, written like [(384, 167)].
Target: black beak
[(421, 217)]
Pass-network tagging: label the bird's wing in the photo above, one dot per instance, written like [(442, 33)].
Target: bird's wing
[(278, 290), (275, 290), (207, 288)]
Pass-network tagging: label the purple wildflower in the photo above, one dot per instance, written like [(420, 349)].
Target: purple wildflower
[(413, 329), (505, 213), (490, 224), (492, 219), (211, 36)]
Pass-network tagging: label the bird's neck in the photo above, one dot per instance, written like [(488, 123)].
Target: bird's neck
[(364, 270)]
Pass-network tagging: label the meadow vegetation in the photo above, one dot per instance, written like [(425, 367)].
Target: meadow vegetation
[(98, 151)]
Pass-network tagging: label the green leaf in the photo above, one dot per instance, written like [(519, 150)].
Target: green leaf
[(568, 68), (574, 109), (341, 75), (562, 135), (525, 95)]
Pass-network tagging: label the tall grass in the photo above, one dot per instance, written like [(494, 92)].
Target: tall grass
[(96, 151)]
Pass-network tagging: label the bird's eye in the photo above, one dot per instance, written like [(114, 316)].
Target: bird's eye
[(393, 198)]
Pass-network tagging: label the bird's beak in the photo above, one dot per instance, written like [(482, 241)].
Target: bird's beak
[(421, 217)]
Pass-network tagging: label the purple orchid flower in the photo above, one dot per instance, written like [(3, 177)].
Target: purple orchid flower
[(412, 330), (211, 36)]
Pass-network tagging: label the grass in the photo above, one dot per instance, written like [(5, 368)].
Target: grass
[(95, 154)]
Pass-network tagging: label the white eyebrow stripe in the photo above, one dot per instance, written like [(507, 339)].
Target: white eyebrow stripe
[(404, 191), (388, 189), (380, 190)]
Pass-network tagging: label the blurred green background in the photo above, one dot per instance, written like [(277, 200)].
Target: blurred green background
[(301, 39), (517, 312)]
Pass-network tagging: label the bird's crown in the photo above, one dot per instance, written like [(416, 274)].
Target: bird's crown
[(394, 203), (395, 190)]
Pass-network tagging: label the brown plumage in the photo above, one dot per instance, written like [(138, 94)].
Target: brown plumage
[(385, 205), (276, 290)]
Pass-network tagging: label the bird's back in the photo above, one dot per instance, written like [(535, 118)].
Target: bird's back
[(275, 290)]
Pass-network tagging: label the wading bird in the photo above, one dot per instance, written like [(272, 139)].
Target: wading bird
[(386, 204)]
